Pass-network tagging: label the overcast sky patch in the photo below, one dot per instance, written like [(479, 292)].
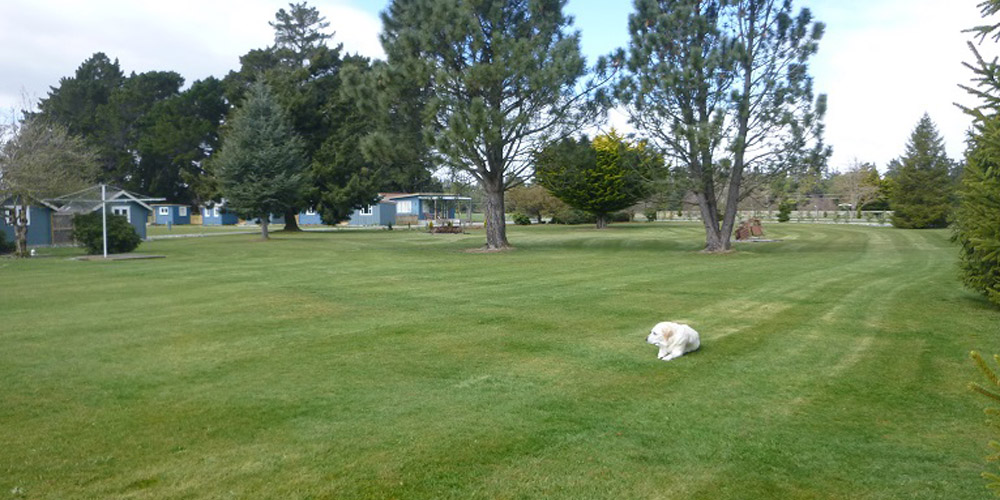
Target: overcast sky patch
[(882, 62)]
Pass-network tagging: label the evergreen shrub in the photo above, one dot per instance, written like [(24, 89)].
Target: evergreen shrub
[(785, 210), (122, 237), (6, 246)]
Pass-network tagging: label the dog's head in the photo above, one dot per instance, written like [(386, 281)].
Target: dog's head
[(660, 334)]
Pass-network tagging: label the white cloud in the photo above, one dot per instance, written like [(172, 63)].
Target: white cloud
[(45, 40), (883, 65)]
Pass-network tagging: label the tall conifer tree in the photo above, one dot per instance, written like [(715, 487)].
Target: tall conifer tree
[(976, 226), (722, 86), (920, 188), (261, 163)]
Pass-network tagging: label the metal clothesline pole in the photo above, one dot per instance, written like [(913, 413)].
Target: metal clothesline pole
[(104, 219)]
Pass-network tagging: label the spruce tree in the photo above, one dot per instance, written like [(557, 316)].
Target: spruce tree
[(990, 392), (976, 227), (261, 164), (977, 218), (920, 188)]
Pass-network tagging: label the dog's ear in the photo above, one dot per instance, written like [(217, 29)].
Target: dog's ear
[(667, 332)]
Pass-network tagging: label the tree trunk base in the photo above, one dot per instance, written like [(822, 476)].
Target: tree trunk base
[(291, 225), (487, 249), (719, 251)]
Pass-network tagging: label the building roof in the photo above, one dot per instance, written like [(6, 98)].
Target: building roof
[(10, 200), (89, 200), (426, 196)]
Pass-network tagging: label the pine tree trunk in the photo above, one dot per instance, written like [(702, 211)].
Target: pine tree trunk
[(710, 218), (264, 221), (743, 130), (602, 221), (496, 229), (290, 223)]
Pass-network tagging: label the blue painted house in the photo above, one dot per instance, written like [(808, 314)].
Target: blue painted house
[(39, 222), (382, 213), (50, 221), (217, 215), (171, 214), (426, 206), (310, 217)]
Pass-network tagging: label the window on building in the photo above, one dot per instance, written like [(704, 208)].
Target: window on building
[(125, 211), (11, 211), (182, 211), (311, 211), (208, 212), (404, 207), (163, 210), (366, 211), (215, 212)]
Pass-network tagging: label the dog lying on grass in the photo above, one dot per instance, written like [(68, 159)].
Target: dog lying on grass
[(673, 339)]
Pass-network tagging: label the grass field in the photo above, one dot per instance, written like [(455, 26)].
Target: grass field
[(394, 364), (189, 229)]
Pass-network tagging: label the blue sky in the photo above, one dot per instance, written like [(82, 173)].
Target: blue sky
[(883, 63)]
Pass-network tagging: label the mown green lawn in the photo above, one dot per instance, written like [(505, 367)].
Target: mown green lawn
[(189, 229), (394, 364)]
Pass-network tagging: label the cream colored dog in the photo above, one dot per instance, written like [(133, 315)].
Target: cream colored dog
[(673, 339)]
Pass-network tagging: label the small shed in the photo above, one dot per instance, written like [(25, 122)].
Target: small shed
[(171, 214), (217, 215), (382, 213), (39, 221)]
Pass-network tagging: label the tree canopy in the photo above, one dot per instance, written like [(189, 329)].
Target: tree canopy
[(149, 135), (534, 200), (599, 177)]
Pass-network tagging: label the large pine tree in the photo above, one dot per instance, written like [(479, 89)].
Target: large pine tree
[(723, 88), (500, 81), (261, 164), (920, 188)]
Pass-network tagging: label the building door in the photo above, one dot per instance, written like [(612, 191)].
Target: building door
[(62, 229)]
